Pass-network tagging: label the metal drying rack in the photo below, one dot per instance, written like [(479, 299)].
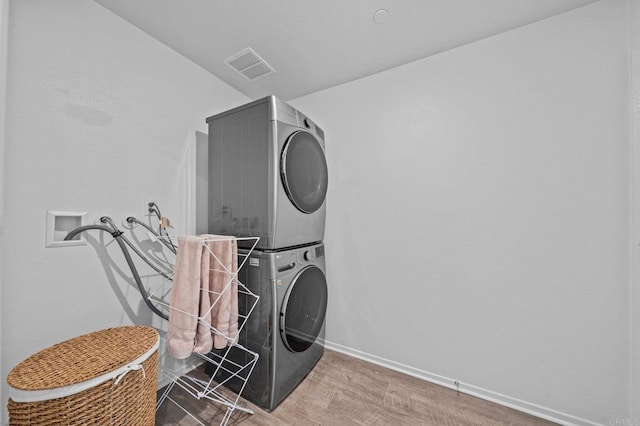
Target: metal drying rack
[(226, 369)]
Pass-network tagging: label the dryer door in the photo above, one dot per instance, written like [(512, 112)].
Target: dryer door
[(304, 309), (303, 169)]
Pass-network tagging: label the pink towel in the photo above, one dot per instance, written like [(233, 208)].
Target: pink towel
[(204, 339), (185, 297), (204, 295), (223, 289)]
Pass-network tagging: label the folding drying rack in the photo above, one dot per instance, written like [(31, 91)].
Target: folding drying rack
[(225, 368)]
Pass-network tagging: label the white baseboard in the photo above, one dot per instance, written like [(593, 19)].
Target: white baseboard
[(488, 395)]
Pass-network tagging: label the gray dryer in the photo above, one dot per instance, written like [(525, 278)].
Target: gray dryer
[(267, 175)]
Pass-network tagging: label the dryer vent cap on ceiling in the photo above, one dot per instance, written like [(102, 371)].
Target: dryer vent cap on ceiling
[(249, 64)]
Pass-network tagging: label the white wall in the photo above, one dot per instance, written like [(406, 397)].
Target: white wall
[(634, 36), (478, 215), (4, 21), (634, 300), (491, 182), (100, 118)]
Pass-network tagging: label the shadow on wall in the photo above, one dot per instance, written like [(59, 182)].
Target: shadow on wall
[(122, 283), (154, 283)]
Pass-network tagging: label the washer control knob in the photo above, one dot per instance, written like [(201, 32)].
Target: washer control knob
[(307, 255)]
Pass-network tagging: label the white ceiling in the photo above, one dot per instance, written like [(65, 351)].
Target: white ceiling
[(314, 45)]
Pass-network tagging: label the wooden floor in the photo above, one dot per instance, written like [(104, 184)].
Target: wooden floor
[(342, 390)]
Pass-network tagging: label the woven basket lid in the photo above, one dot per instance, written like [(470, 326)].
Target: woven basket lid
[(82, 358)]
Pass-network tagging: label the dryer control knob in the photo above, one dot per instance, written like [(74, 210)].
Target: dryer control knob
[(307, 255)]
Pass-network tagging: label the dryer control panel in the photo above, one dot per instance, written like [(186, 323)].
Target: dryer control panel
[(310, 254)]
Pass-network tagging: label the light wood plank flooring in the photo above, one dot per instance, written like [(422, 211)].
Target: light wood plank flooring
[(342, 390)]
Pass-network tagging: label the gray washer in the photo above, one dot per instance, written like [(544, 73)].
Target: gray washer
[(267, 175), (287, 326)]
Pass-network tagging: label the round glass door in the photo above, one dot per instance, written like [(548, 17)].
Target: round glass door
[(303, 168), (304, 309)]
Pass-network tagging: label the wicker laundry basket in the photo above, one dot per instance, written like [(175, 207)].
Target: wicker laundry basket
[(103, 378)]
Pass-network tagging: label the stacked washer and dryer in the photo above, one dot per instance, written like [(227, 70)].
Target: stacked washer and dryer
[(268, 179)]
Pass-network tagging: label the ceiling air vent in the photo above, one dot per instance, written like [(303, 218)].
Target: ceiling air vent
[(249, 64)]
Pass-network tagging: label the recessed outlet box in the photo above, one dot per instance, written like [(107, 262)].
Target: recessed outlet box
[(59, 224)]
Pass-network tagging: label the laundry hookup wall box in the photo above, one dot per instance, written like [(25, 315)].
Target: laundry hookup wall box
[(59, 223)]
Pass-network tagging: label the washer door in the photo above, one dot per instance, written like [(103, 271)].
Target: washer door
[(304, 309), (303, 169)]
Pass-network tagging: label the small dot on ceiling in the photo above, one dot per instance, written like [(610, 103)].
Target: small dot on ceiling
[(381, 15)]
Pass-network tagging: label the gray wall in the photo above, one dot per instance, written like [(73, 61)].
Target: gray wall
[(478, 216)]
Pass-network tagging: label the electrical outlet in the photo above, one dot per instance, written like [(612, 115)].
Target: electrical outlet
[(147, 201)]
